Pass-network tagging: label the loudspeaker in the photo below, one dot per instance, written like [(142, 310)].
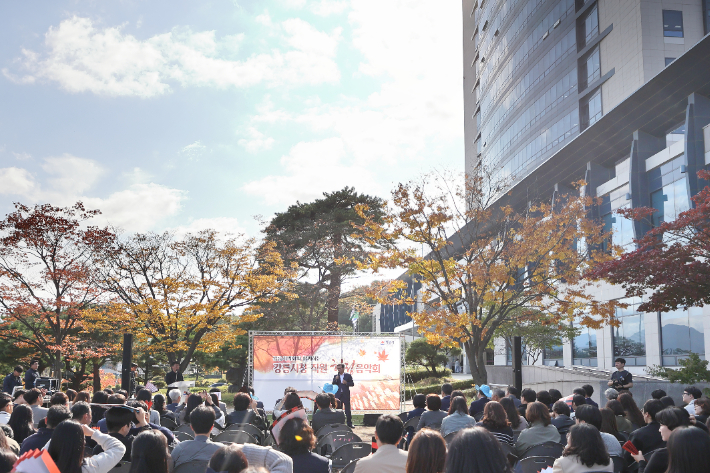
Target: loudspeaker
[(369, 420)]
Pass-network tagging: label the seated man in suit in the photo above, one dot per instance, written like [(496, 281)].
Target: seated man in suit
[(325, 415), (388, 458), (201, 449), (244, 412)]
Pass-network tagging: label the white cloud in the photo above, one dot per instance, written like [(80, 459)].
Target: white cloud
[(329, 7), (16, 181), (256, 141), (226, 226), (22, 156), (83, 58), (141, 207), (310, 169), (194, 151), (70, 174)]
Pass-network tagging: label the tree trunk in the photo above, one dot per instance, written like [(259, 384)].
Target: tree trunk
[(475, 353), (96, 367), (333, 300)]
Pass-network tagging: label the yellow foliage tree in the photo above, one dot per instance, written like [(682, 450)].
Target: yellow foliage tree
[(183, 295), (481, 263)]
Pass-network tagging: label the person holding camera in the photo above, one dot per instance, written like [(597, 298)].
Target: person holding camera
[(621, 380)]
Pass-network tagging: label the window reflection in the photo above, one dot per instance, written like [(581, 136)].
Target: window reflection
[(584, 346), (591, 24), (682, 333), (630, 335)]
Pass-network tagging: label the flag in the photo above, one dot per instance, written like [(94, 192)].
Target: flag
[(354, 315), (151, 387)]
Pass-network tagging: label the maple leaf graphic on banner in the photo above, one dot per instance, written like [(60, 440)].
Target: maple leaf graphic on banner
[(382, 355), (361, 353)]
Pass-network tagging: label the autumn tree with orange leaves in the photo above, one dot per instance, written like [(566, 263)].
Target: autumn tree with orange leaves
[(481, 263), (189, 293), (47, 281)]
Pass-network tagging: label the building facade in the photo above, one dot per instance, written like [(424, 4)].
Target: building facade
[(611, 91)]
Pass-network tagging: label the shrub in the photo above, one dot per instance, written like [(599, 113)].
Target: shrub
[(414, 375), (693, 370)]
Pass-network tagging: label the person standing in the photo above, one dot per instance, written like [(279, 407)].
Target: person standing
[(344, 381), (132, 385), (621, 380), (12, 380), (173, 376), (32, 374)]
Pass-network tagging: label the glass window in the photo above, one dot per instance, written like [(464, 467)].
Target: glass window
[(591, 24), (675, 135), (623, 230), (584, 346), (673, 23), (669, 60), (669, 201), (591, 69), (630, 335), (554, 356), (591, 110), (682, 333)]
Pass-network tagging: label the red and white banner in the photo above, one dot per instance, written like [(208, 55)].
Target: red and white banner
[(307, 362)]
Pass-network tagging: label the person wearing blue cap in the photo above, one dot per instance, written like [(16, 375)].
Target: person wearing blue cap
[(483, 393)]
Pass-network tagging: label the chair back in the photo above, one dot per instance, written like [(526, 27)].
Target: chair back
[(547, 449), (618, 463), (533, 464), (236, 436), (248, 428), (509, 453), (350, 467), (647, 455), (326, 429), (413, 422), (197, 466), (330, 442), (478, 416), (185, 428), (403, 416), (516, 434), (182, 436), (349, 452), (436, 426), (122, 467), (449, 437), (268, 441), (168, 423)]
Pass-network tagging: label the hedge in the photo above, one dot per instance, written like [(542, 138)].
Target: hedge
[(463, 385), (415, 375)]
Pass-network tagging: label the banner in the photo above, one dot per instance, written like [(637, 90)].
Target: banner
[(307, 362)]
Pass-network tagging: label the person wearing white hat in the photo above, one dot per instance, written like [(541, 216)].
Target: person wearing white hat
[(483, 393)]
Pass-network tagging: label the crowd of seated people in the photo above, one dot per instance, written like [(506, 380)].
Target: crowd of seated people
[(488, 435)]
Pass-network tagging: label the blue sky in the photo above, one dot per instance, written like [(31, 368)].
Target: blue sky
[(186, 115)]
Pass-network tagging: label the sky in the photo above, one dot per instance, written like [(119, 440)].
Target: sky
[(184, 115)]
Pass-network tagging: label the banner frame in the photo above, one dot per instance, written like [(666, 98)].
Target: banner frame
[(295, 333)]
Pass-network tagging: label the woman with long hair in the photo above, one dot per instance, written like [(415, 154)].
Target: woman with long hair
[(159, 407), (230, 459), (22, 423), (585, 451), (6, 443), (476, 450), (688, 451), (517, 422), (66, 447), (458, 417), (702, 410), (97, 412), (609, 424), (633, 413), (670, 418), (622, 423), (149, 453), (495, 419), (427, 452), (193, 400), (297, 440)]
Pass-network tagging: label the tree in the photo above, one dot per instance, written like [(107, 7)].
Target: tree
[(320, 239), (693, 370), (484, 262), (183, 295), (672, 260), (47, 280), (422, 353), (539, 333)]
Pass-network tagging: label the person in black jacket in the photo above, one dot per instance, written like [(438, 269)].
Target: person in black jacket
[(118, 423), (55, 416), (12, 380), (244, 413), (561, 419), (32, 374), (344, 381), (296, 440), (647, 438), (325, 415), (173, 376)]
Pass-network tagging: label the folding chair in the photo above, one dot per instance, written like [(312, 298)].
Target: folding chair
[(182, 436), (618, 463), (509, 454), (449, 437), (349, 452), (236, 436), (248, 428), (403, 416), (350, 467), (330, 442), (326, 429), (168, 423), (413, 422), (533, 464), (547, 449), (185, 428)]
